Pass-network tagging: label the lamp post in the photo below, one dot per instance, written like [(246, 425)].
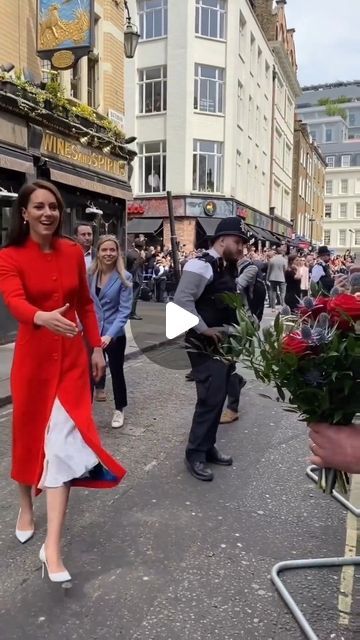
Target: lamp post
[(351, 231), (311, 220), (131, 35)]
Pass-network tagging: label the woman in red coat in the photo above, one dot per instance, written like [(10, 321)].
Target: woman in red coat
[(55, 441)]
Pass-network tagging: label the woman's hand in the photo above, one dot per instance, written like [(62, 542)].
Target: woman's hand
[(55, 321), (98, 365), (105, 341), (335, 447)]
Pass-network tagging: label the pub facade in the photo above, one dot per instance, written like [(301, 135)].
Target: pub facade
[(89, 167)]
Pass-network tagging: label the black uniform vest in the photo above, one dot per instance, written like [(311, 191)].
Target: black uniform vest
[(210, 306)]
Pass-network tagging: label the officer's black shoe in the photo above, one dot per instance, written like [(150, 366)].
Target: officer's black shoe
[(134, 316), (216, 457), (199, 470), (189, 377)]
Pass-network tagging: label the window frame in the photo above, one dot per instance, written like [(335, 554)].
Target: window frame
[(343, 164), (219, 90), (342, 184), (242, 36), (218, 154), (343, 210), (329, 192), (327, 129), (342, 231), (142, 155), (328, 214), (143, 83), (327, 237), (143, 13), (331, 164), (220, 19)]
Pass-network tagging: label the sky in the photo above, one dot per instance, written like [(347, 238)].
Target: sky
[(327, 39)]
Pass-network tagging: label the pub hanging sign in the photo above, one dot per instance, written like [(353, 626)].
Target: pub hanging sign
[(65, 31)]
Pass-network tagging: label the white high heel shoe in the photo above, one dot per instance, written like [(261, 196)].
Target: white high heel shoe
[(23, 536), (60, 576)]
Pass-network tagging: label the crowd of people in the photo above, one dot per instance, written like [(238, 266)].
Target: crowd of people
[(72, 302)]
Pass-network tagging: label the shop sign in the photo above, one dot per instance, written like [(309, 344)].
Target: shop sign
[(157, 207), (65, 31), (135, 209), (117, 118), (210, 208), (195, 207), (242, 212), (78, 154)]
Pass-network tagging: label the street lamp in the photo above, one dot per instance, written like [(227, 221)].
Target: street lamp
[(131, 35), (351, 237), (311, 220)]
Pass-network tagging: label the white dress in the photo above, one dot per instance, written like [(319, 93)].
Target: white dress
[(67, 456)]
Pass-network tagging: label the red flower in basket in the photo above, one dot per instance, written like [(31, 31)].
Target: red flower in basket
[(295, 343), (342, 306)]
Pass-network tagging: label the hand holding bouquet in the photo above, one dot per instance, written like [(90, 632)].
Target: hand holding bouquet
[(313, 360)]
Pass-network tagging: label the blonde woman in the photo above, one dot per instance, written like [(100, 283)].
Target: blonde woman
[(111, 290)]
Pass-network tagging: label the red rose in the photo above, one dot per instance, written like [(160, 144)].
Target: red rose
[(342, 306), (295, 343)]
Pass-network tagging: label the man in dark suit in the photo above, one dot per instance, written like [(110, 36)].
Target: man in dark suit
[(84, 235), (135, 260)]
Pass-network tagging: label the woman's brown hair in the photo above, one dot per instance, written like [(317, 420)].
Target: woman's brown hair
[(18, 231)]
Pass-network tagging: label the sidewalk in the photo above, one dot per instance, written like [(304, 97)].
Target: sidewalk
[(150, 335)]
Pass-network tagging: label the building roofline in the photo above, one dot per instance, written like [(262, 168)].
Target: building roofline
[(331, 85)]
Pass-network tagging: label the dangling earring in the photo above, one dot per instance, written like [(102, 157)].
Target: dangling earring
[(25, 221)]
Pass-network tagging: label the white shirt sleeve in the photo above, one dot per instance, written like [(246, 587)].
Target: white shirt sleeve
[(317, 273)]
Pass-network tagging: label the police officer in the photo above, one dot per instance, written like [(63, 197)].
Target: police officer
[(203, 281), (321, 272)]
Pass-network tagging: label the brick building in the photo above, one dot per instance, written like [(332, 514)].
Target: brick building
[(68, 138), (308, 189), (97, 80)]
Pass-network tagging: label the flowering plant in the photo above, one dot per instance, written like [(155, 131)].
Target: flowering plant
[(311, 357)]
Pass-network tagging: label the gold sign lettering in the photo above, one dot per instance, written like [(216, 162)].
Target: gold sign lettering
[(79, 154)]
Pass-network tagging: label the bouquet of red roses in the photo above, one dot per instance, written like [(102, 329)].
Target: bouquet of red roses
[(313, 360)]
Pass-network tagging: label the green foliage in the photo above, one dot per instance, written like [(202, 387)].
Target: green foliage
[(334, 110), (340, 100), (54, 93), (321, 385)]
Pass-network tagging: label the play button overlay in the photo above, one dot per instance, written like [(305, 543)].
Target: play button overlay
[(158, 328), (178, 320)]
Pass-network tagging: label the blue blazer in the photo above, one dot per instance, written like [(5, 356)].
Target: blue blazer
[(113, 306)]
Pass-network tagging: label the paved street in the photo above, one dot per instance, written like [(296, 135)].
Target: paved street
[(165, 557)]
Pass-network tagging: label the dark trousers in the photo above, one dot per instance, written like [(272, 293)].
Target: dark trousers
[(212, 378), (160, 289), (115, 353), (235, 384), (136, 293)]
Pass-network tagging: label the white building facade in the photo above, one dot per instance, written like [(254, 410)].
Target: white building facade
[(334, 127), (199, 100), (342, 210)]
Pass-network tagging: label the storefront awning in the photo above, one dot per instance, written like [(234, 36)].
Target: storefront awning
[(144, 225), (263, 234), (209, 225)]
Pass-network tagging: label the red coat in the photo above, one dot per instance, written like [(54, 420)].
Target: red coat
[(46, 365)]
